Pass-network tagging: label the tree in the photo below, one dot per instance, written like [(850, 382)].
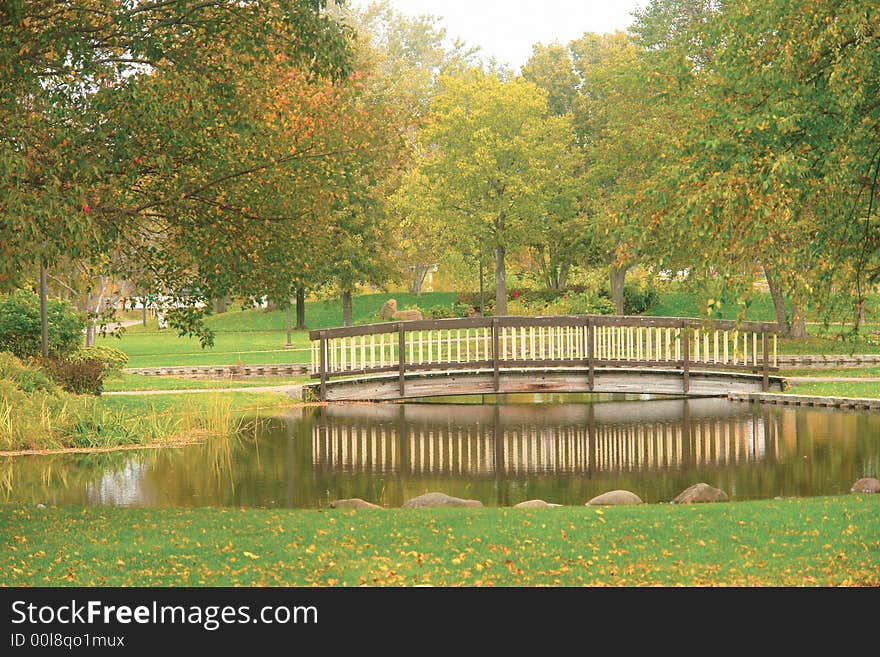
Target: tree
[(778, 168), (623, 121), (492, 150), (119, 119), (550, 67), (406, 55)]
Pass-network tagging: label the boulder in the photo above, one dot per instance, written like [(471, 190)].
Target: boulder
[(436, 500), (700, 493), (534, 504), (388, 309), (353, 503), (615, 497), (866, 485), (407, 315)]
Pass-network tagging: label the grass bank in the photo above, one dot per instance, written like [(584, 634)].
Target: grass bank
[(825, 541), (36, 414), (859, 389), (256, 336)]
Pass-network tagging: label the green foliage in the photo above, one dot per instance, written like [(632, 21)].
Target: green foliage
[(20, 331), (156, 137), (775, 161), (640, 295), (114, 360), (575, 300), (566, 303), (496, 166), (28, 379)]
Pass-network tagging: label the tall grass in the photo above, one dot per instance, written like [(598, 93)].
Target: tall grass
[(49, 418)]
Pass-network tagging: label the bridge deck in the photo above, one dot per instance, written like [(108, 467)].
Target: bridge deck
[(451, 382)]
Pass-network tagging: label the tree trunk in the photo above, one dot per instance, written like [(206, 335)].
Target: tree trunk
[(500, 282), (618, 276), (778, 301), (221, 304), (482, 287), (44, 316), (420, 272), (790, 326), (859, 314), (300, 309), (798, 326), (346, 307), (560, 277)]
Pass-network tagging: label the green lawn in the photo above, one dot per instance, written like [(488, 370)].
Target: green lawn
[(686, 304), (810, 542), (867, 389), (254, 336), (833, 339), (845, 372)]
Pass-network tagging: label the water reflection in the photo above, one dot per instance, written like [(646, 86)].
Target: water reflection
[(500, 453), (542, 439)]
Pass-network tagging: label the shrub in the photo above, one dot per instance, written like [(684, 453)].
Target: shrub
[(113, 359), (441, 312), (467, 304), (638, 299), (20, 331), (26, 379), (81, 376)]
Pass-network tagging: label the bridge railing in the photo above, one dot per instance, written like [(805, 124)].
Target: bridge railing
[(512, 342)]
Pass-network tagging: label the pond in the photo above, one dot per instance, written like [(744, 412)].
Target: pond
[(563, 448)]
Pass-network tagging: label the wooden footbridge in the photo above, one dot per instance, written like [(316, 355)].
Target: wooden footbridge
[(574, 353)]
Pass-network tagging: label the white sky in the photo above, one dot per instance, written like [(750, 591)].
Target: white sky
[(508, 29)]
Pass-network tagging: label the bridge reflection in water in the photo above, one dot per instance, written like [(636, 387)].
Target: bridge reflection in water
[(478, 440)]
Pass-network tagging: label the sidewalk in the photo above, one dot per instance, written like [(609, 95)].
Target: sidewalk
[(290, 390)]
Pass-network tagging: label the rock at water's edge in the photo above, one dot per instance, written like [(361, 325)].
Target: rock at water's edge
[(534, 504), (866, 485), (615, 497), (353, 503), (700, 493), (437, 500)]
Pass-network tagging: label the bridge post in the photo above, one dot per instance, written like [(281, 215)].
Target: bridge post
[(323, 365), (495, 379), (765, 382), (686, 357), (401, 360), (591, 377)]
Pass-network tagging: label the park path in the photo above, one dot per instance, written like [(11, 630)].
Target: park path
[(296, 390), (290, 390)]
